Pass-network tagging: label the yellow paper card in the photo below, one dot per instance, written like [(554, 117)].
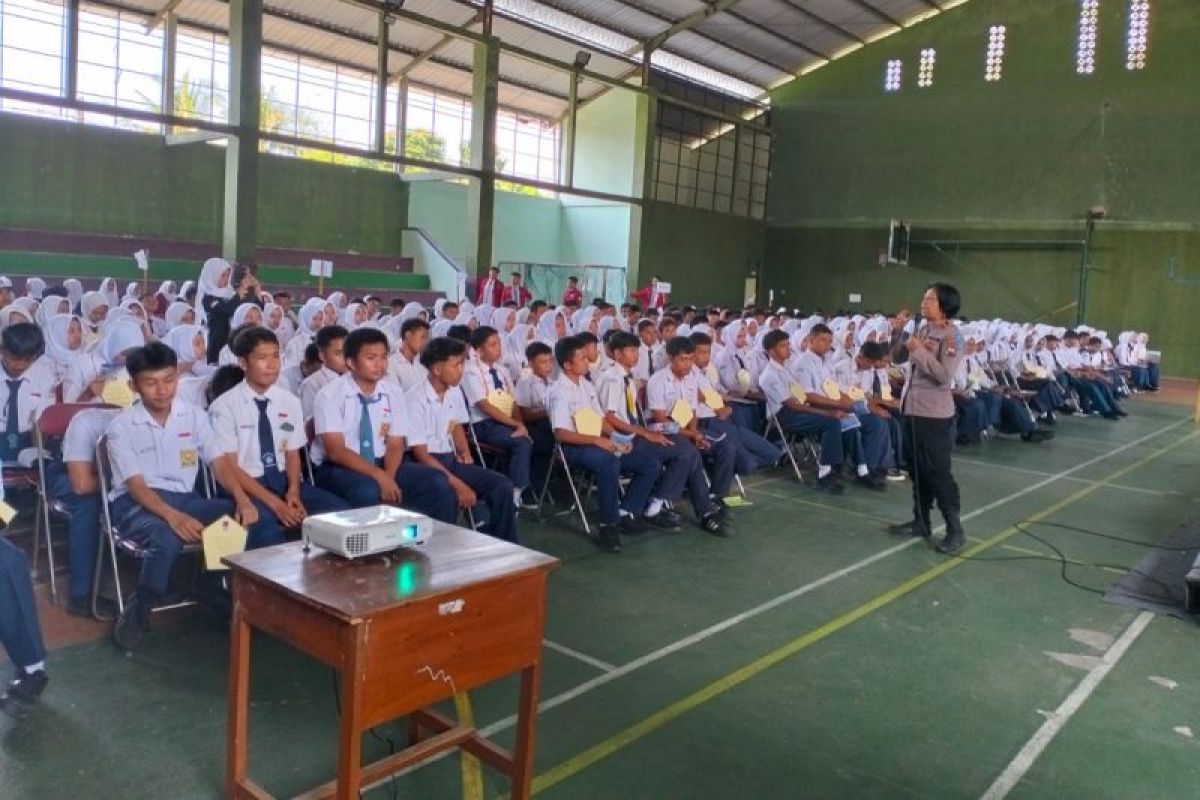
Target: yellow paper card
[(682, 412), (712, 399), (885, 392), (225, 537), (7, 512), (501, 400), (830, 389), (744, 379), (798, 393), (117, 392), (855, 394), (588, 422)]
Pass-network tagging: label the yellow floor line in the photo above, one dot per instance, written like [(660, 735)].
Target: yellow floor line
[(613, 744), (472, 770)]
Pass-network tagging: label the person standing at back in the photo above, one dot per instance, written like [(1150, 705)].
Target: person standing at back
[(928, 407)]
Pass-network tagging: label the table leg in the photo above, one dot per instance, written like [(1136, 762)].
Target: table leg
[(239, 699), (349, 775), (522, 774)]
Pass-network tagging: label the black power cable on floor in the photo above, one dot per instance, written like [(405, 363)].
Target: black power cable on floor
[(393, 790), (1064, 562)]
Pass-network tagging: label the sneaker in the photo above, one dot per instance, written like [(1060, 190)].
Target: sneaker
[(895, 475), (666, 519), (608, 539), (873, 481), (630, 525), (23, 693), (830, 484), (719, 506), (1033, 437), (132, 625), (712, 523)]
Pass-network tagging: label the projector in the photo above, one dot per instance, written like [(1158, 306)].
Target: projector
[(367, 531)]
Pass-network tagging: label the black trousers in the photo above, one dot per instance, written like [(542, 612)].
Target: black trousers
[(929, 442)]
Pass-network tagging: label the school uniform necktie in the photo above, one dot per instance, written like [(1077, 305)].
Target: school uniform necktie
[(876, 385), (12, 420), (497, 384), (266, 440), (366, 433), (631, 402)]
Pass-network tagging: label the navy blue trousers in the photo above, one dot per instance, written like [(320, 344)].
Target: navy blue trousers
[(640, 464), (830, 429), (20, 632), (83, 529), (153, 533), (269, 530), (493, 490), (424, 489), (518, 450)]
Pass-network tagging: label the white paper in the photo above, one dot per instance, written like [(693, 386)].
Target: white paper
[(662, 288), (143, 260), (855, 297), (321, 269)]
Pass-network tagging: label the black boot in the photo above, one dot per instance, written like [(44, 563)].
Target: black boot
[(954, 539), (134, 621)]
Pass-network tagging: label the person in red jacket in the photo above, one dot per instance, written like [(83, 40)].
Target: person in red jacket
[(650, 297), (571, 295), (490, 290), (515, 292)]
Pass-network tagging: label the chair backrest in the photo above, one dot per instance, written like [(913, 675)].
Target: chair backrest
[(104, 476), (53, 420)]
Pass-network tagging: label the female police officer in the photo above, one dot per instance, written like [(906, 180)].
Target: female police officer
[(928, 408)]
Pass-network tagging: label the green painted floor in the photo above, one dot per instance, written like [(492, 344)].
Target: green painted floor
[(809, 656)]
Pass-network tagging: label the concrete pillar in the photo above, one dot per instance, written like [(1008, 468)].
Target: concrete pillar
[(481, 197), (240, 226)]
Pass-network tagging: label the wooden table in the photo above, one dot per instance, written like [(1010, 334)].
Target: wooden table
[(405, 632)]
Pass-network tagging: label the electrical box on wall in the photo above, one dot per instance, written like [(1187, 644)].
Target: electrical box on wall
[(855, 297)]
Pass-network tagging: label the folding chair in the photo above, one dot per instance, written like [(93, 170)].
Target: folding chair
[(113, 542), (48, 432), (560, 457), (789, 441)]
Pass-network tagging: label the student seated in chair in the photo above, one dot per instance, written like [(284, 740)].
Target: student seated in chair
[(73, 483), (260, 431), (495, 417), (155, 449), (404, 366), (26, 387), (572, 400), (438, 441), (361, 422), (679, 454), (531, 394), (330, 342), (788, 404)]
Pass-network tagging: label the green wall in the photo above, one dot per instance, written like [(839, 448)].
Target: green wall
[(62, 176), (705, 256), (1021, 159)]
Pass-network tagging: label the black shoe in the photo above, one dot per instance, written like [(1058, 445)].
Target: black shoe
[(713, 523), (608, 539), (1121, 413), (82, 607), (873, 481), (954, 539), (133, 623), (666, 519), (1037, 436), (912, 528), (830, 484), (1048, 419), (1111, 415), (719, 506), (23, 693), (630, 525)]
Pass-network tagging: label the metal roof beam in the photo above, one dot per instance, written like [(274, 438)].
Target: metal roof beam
[(711, 8), (431, 51), (877, 12), (776, 34), (820, 20), (161, 15)]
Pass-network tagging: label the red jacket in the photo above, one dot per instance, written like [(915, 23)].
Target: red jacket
[(643, 297), (494, 293), (572, 297), (517, 294)]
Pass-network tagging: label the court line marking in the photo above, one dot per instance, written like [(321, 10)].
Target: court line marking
[(1007, 780), (625, 669), (623, 738), (591, 661)]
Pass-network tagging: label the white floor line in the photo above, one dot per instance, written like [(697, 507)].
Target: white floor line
[(650, 658), (1026, 471), (1024, 760), (603, 666)]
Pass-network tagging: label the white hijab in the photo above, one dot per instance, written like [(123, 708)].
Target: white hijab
[(210, 274)]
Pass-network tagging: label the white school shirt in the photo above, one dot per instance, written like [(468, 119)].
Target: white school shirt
[(290, 378), (404, 372), (729, 364), (659, 358), (567, 397), (776, 382), (312, 386), (610, 389), (531, 392), (193, 389), (811, 371), (338, 409), (478, 380), (641, 370), (848, 376), (234, 417), (82, 370), (34, 394), (84, 431), (665, 389), (167, 457), (433, 417)]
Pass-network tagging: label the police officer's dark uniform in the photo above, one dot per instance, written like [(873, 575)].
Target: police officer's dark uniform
[(928, 408)]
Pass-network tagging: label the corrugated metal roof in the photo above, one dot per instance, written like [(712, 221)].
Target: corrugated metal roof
[(743, 50)]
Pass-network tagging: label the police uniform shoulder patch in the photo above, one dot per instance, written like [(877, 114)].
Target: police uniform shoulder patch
[(955, 345)]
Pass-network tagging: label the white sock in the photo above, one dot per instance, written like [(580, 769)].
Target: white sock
[(863, 471), (38, 667), (823, 470), (625, 513), (516, 496), (654, 507)]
